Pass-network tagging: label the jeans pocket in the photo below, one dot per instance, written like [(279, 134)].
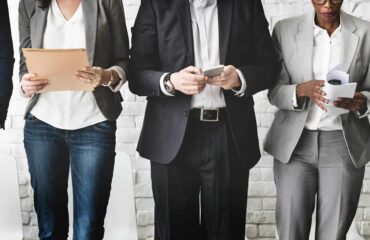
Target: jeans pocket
[(106, 127)]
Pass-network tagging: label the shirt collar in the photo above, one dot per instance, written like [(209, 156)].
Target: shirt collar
[(318, 29)]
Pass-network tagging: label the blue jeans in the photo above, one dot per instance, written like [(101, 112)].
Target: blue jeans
[(90, 153)]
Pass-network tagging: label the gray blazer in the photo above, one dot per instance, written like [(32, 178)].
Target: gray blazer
[(293, 40), (107, 43)]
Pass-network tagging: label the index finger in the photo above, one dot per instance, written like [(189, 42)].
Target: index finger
[(320, 83), (192, 69), (28, 76), (195, 77)]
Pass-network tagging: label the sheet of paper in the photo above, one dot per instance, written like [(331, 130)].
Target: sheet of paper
[(345, 90), (58, 66)]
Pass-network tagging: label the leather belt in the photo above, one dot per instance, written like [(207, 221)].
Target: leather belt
[(208, 115)]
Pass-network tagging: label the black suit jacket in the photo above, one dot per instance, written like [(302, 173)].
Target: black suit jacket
[(6, 62), (162, 42)]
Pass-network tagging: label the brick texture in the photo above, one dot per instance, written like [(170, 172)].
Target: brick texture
[(260, 218)]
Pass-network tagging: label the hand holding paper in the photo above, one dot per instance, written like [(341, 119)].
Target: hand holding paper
[(356, 104), (58, 66), (94, 75), (31, 85), (344, 90)]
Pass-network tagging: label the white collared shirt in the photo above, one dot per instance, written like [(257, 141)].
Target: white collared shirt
[(326, 55), (66, 110), (205, 26), (327, 52)]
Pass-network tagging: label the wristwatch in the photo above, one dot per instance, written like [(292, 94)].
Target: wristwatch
[(168, 84)]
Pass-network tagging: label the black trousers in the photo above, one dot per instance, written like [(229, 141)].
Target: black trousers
[(202, 194)]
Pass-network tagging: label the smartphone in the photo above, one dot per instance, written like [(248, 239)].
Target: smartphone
[(213, 71)]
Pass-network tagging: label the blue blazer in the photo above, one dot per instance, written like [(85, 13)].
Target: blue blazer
[(6, 62)]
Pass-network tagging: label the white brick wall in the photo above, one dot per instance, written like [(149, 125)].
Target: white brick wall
[(261, 203)]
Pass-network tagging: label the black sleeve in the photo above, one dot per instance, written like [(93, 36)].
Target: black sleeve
[(120, 37), (262, 74), (144, 73), (6, 62)]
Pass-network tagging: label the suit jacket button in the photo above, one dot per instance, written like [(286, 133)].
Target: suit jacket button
[(186, 113)]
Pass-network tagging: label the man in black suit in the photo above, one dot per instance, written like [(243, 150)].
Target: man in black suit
[(6, 62), (200, 132)]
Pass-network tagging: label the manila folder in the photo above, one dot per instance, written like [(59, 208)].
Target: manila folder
[(58, 66)]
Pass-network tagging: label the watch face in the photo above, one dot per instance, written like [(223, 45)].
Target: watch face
[(168, 85)]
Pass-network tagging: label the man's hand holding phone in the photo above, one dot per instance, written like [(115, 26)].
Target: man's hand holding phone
[(227, 79), (189, 81)]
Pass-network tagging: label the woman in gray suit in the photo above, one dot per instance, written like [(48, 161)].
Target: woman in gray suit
[(73, 129), (319, 153)]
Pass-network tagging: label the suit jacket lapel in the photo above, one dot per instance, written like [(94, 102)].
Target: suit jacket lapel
[(39, 26), (90, 12), (349, 41), (305, 42), (184, 17), (225, 10)]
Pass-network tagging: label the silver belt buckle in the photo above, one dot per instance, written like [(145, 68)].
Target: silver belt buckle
[(209, 115)]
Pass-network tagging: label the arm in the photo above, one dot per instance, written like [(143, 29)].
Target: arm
[(6, 63), (115, 76), (261, 75), (284, 93), (24, 36), (293, 97), (29, 85), (120, 42), (144, 73), (360, 103), (366, 91)]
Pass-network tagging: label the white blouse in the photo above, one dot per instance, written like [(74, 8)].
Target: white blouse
[(326, 55), (69, 110)]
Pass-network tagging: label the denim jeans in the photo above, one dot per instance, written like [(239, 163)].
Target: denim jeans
[(89, 153)]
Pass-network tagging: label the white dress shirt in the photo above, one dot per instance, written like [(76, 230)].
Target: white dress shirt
[(204, 21), (326, 55), (68, 110)]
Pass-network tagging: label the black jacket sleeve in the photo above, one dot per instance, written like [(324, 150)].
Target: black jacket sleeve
[(262, 74), (6, 62), (144, 73)]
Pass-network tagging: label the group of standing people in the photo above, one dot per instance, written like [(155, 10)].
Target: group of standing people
[(199, 132)]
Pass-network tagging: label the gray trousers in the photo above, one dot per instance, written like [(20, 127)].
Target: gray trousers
[(320, 167)]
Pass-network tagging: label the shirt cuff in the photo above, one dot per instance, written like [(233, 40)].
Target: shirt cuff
[(121, 75), (243, 87), (163, 89), (294, 99)]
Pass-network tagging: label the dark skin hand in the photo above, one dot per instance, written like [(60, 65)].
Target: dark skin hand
[(358, 103), (312, 89)]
